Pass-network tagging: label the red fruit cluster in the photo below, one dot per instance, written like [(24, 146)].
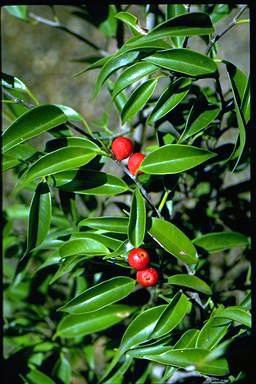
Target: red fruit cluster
[(139, 259), (122, 148)]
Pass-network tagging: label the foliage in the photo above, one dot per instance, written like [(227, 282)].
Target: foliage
[(67, 282)]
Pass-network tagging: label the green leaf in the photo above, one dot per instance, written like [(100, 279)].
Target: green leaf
[(63, 142), (109, 26), (212, 332), (190, 281), (118, 376), (108, 241), (9, 162), (62, 369), (130, 20), (174, 158), (188, 339), (22, 151), (173, 240), (138, 99), (144, 46), (237, 314), (246, 102), (133, 73), (13, 82), (61, 160), (88, 323), (39, 216), (36, 121), (174, 10), (98, 64), (219, 241), (89, 182), (19, 11), (139, 353), (116, 62), (85, 246), (184, 60), (101, 295), (107, 223), (141, 327), (137, 220), (198, 119), (173, 95), (172, 315), (67, 266), (184, 358)]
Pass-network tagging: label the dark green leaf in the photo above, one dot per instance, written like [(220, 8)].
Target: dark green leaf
[(246, 102), (88, 323), (212, 332), (98, 64), (173, 240), (67, 266), (108, 241), (13, 83), (107, 223), (101, 295), (134, 73), (188, 339), (20, 11), (172, 315), (235, 313), (174, 10), (85, 246), (137, 220), (219, 241), (138, 99), (174, 158), (117, 378), (173, 95), (184, 60), (190, 281)]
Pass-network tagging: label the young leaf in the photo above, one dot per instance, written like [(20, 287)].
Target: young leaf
[(88, 323), (172, 315), (138, 99), (85, 246), (184, 60), (20, 11), (101, 295), (173, 240), (39, 216), (108, 223), (174, 158), (131, 20), (173, 95), (219, 241), (137, 220), (190, 281)]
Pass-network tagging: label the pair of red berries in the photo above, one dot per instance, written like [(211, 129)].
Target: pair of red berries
[(139, 259), (122, 147)]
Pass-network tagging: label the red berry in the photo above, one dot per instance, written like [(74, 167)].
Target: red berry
[(122, 147), (147, 277), (138, 258), (134, 162)]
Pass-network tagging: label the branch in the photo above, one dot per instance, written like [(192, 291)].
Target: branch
[(231, 25)]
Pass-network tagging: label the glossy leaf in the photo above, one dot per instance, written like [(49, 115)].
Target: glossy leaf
[(13, 82), (141, 327), (89, 182), (98, 64), (172, 315), (118, 376), (34, 376), (21, 151), (67, 266), (138, 99), (108, 241), (246, 102), (132, 74), (174, 10), (188, 339), (184, 60), (8, 163), (174, 158), (139, 353), (173, 240), (184, 358), (219, 241), (173, 95), (212, 332), (107, 223), (237, 314), (198, 119), (39, 216), (121, 253), (36, 121), (116, 62), (61, 142), (145, 46), (137, 220), (101, 295), (190, 281), (62, 369), (57, 161), (85, 246), (20, 11), (131, 20), (88, 323)]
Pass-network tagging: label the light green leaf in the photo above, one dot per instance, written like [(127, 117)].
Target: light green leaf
[(138, 99), (133, 73), (237, 314), (212, 332), (172, 315), (219, 241), (107, 223), (246, 102), (173, 240), (88, 323), (67, 266), (98, 64), (173, 95), (62, 369), (137, 220), (85, 246), (190, 281), (130, 20), (174, 158), (13, 82), (109, 26), (101, 295), (184, 60), (36, 377), (188, 339), (20, 11), (39, 216)]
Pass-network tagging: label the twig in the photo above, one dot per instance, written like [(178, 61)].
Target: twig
[(18, 101), (231, 25)]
